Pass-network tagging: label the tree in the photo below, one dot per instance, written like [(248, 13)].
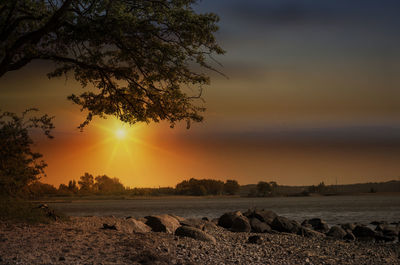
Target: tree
[(231, 187), (72, 187), (19, 165), (86, 183), (138, 55), (105, 184), (263, 188)]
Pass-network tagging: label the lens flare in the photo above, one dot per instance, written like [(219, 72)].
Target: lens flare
[(120, 134)]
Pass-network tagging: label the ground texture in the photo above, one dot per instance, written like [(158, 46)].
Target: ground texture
[(82, 241)]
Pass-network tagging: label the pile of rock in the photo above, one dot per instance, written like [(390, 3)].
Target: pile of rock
[(257, 221), (264, 221)]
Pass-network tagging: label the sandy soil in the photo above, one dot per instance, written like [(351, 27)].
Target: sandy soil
[(82, 241)]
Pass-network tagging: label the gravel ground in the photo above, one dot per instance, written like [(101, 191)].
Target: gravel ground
[(81, 241)]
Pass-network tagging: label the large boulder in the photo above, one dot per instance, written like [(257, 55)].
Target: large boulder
[(241, 224), (262, 215), (336, 232), (348, 226), (162, 223), (135, 226), (296, 227), (226, 220), (197, 223), (317, 224), (282, 224), (259, 227), (192, 232), (364, 232)]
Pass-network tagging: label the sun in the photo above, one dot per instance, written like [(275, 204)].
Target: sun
[(120, 133)]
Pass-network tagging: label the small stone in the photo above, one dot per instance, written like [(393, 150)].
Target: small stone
[(61, 258), (255, 240)]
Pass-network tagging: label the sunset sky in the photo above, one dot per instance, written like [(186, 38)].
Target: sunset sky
[(312, 95)]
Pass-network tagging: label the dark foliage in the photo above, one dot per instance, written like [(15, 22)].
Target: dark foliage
[(138, 55), (19, 165)]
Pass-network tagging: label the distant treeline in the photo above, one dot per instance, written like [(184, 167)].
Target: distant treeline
[(104, 185)]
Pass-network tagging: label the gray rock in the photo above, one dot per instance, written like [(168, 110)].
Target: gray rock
[(178, 218), (262, 215), (197, 223), (282, 224), (226, 220), (136, 226), (308, 232), (296, 227), (259, 227), (162, 223), (241, 224), (348, 226), (318, 224), (209, 226), (187, 231), (363, 232), (336, 232)]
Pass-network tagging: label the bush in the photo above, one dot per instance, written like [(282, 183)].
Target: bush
[(16, 210)]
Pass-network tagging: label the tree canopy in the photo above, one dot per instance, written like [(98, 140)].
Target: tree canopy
[(137, 60)]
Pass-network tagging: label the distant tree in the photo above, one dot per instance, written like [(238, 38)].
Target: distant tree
[(63, 190), (263, 188), (38, 189), (231, 187), (72, 187), (107, 185), (19, 165), (86, 183), (137, 54)]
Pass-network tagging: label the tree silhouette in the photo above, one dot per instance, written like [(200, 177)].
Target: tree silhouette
[(263, 188), (231, 187), (136, 58), (86, 183), (19, 165)]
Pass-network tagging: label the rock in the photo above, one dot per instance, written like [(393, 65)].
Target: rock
[(187, 231), (379, 236), (255, 240), (215, 221), (318, 224), (348, 226), (262, 215), (336, 232), (197, 223), (390, 231), (109, 227), (135, 226), (226, 220), (282, 224), (259, 227), (162, 223), (209, 226), (296, 227), (205, 219), (363, 232), (178, 218), (308, 232), (241, 224), (349, 236)]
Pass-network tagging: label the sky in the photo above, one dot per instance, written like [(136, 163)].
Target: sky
[(311, 94)]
